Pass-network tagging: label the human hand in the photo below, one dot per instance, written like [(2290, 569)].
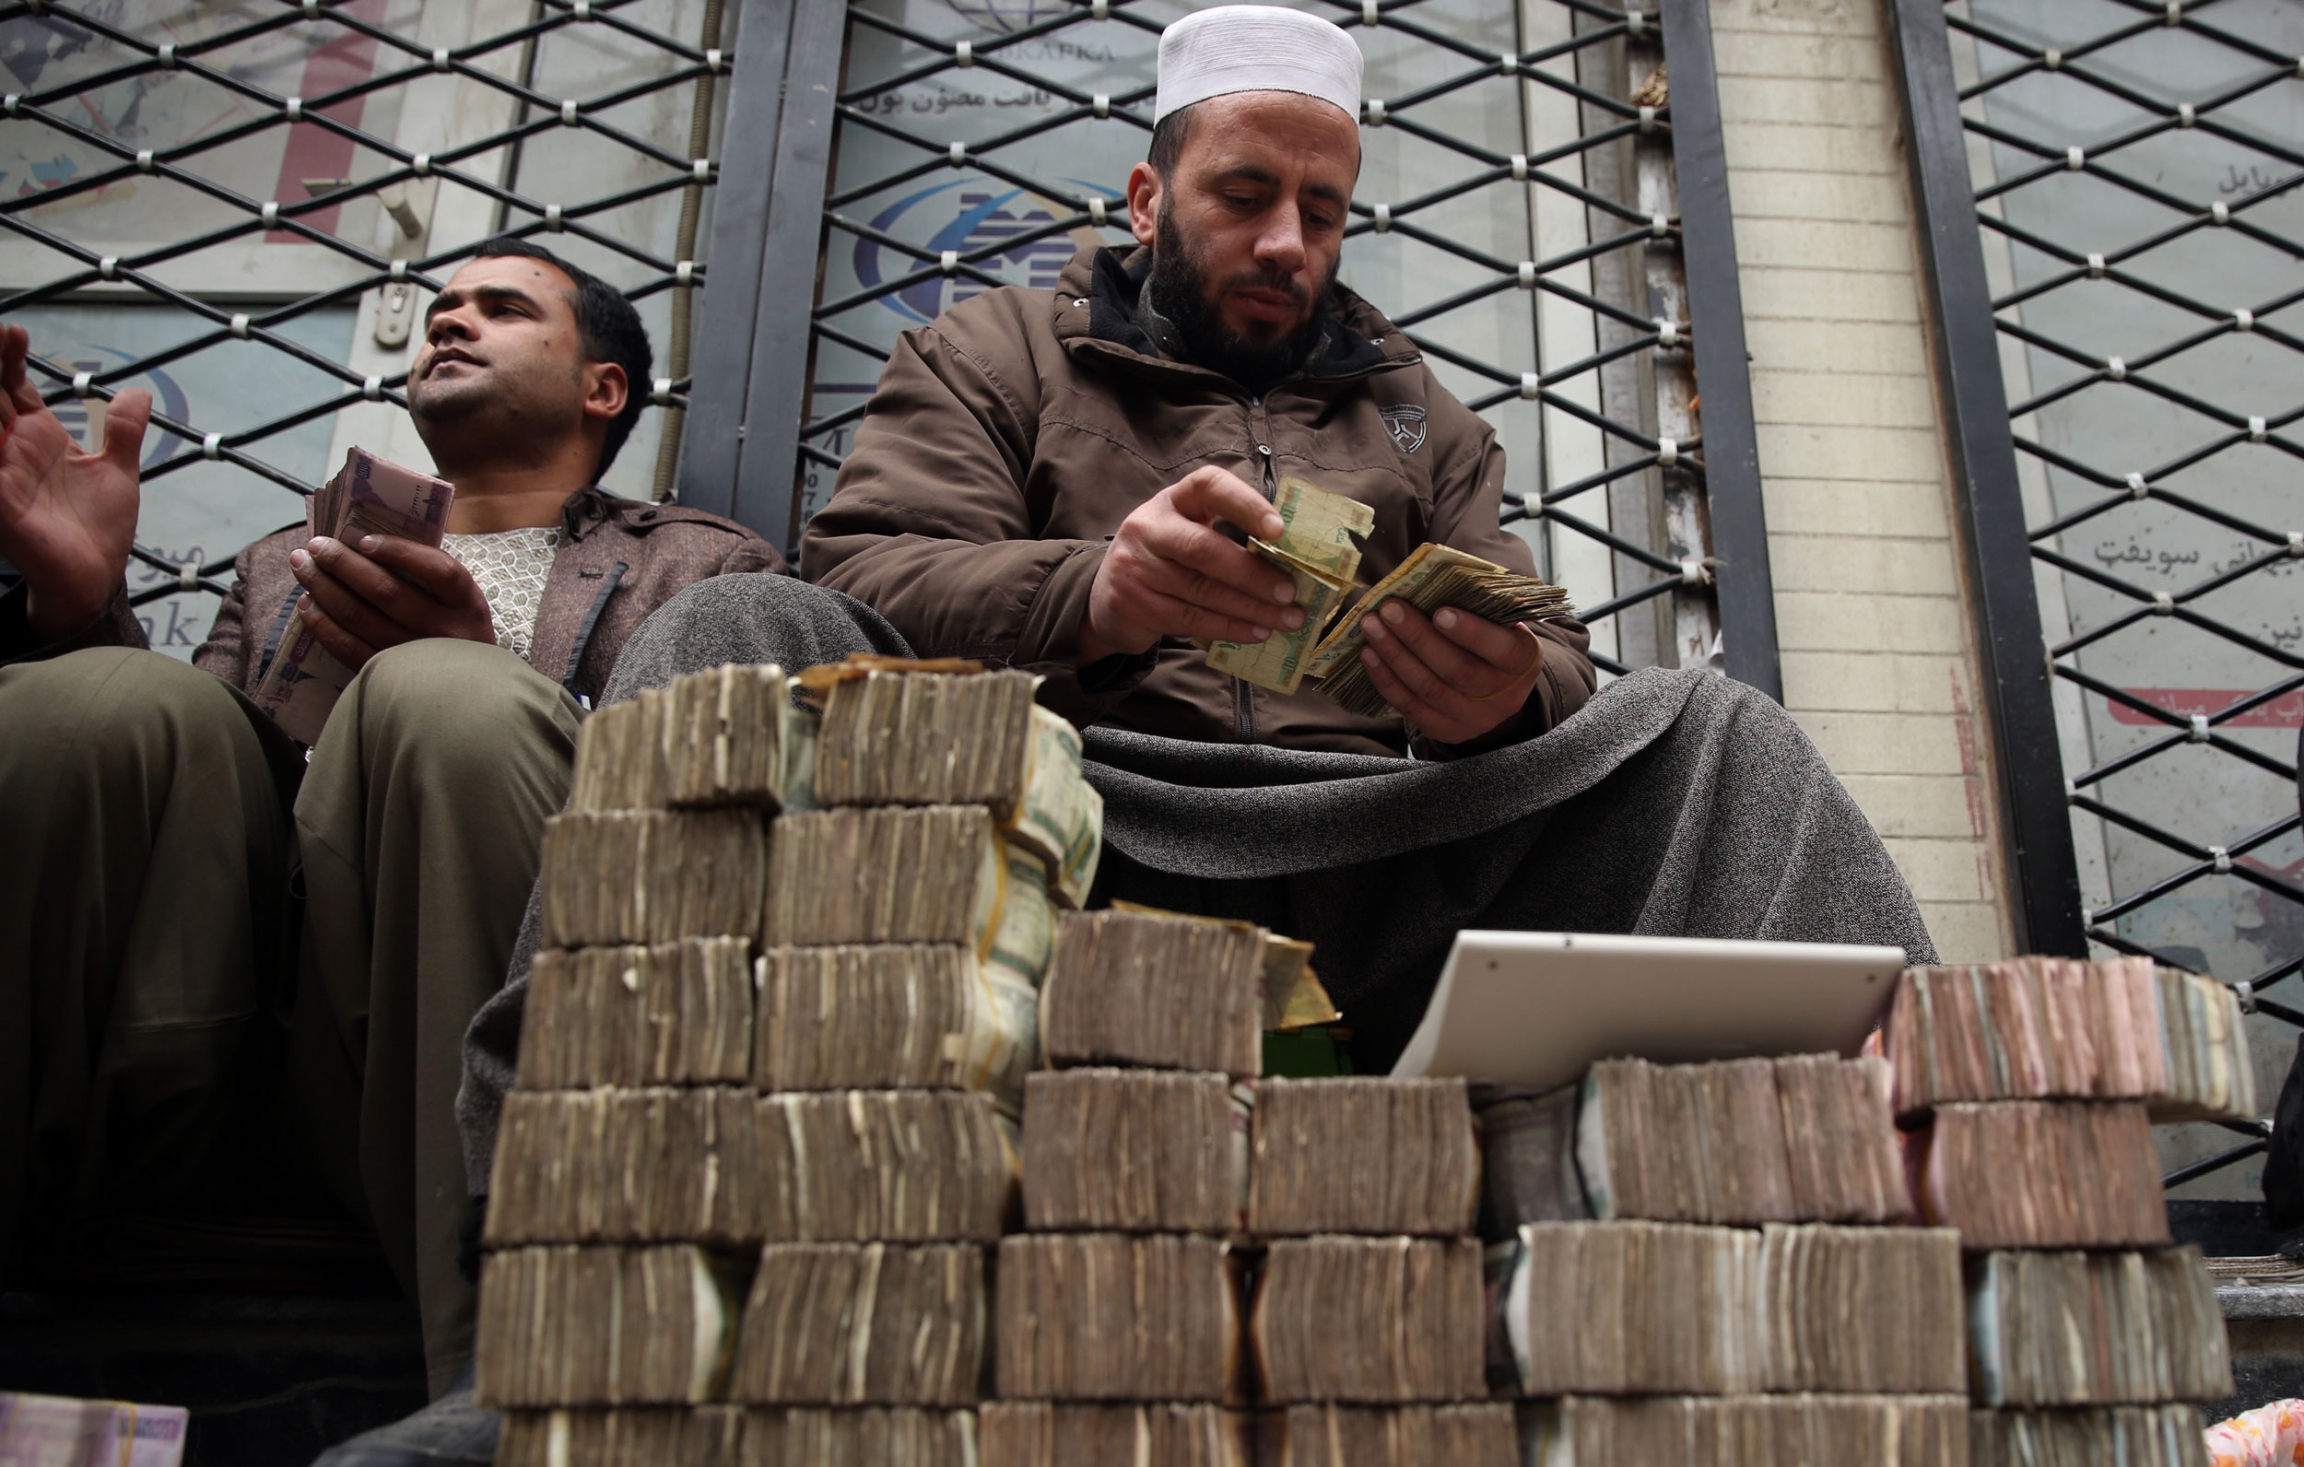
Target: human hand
[(67, 517), (1169, 573), (389, 591), (1453, 675)]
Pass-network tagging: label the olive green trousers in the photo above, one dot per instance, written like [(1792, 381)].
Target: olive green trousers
[(230, 978)]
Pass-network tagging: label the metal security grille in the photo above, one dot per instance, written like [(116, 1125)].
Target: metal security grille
[(243, 204), (2134, 170), (1519, 216)]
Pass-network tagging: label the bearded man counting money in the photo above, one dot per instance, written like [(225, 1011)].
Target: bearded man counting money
[(1043, 480), (1053, 480)]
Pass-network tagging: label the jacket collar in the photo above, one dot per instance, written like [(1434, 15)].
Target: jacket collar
[(587, 510), (1097, 312)]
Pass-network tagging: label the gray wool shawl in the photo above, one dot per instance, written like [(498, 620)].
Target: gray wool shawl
[(1675, 803)]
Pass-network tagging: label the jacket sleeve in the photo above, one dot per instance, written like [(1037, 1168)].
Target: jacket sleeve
[(115, 626), (1467, 498), (226, 652), (929, 525)]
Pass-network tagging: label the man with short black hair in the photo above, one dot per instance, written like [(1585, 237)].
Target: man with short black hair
[(170, 1042)]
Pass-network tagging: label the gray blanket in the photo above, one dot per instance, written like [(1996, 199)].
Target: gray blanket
[(1674, 803)]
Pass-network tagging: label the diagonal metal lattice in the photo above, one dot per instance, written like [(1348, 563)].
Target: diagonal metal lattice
[(2136, 175), (584, 123), (1517, 219)]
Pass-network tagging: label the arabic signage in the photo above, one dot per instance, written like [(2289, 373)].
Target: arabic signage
[(2219, 923)]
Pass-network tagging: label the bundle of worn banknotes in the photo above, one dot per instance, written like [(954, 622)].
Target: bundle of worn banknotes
[(846, 1133), (58, 1431), (1318, 552), (367, 497)]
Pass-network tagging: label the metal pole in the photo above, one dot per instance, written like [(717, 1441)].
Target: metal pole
[(722, 360), (1745, 590), (767, 491), (2017, 688)]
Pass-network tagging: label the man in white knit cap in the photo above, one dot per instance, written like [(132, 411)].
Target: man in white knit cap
[(1044, 479)]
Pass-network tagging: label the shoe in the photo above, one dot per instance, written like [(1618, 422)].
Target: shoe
[(451, 1432)]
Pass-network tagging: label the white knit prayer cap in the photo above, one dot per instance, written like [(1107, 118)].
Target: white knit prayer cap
[(1256, 48)]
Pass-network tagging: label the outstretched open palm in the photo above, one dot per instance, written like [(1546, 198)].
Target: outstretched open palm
[(67, 516)]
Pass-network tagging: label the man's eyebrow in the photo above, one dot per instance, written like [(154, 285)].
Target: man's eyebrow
[(453, 297), (1257, 173), (1248, 173)]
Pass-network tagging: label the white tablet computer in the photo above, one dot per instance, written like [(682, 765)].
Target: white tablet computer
[(1538, 1008)]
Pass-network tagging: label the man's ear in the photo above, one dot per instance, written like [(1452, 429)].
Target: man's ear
[(606, 390), (1143, 202)]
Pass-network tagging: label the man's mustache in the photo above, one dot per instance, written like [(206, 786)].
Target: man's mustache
[(1266, 280)]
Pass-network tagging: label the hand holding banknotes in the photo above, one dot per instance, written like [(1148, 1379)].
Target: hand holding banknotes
[(67, 517), (1455, 676), (358, 602), (1170, 573)]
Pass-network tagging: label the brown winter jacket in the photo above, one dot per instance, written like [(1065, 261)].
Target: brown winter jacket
[(1009, 439), (618, 561)]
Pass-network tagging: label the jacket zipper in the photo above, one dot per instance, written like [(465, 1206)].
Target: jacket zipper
[(1244, 696)]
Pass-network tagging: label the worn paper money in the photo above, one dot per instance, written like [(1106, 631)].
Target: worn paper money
[(1431, 577), (367, 497), (58, 1431), (1318, 552)]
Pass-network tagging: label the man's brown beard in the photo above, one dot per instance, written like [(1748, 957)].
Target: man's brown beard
[(1180, 291)]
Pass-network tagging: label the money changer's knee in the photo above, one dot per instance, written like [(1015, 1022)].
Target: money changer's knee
[(447, 692)]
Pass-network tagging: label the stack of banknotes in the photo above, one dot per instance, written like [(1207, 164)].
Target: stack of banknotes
[(1220, 1273), (2030, 1088), (764, 1133), (59, 1431), (2033, 1028), (842, 1134), (1318, 553), (367, 497)]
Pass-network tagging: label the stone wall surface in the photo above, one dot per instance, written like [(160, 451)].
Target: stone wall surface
[(1877, 639)]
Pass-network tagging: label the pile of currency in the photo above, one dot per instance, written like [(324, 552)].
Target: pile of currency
[(2038, 1028), (1119, 1334), (2043, 1174), (1741, 1141), (1698, 1263), (763, 1139), (1318, 553), (1758, 1431), (1118, 1320), (1431, 577), (1153, 989), (65, 1431), (1800, 1138), (1363, 1156), (1370, 1296), (2133, 1436), (2084, 1329), (1690, 1309), (368, 496), (2031, 1087)]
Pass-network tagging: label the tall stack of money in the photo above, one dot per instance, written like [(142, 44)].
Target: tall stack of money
[(1702, 1264), (763, 1137), (2030, 1088), (1118, 1332), (1369, 1322)]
